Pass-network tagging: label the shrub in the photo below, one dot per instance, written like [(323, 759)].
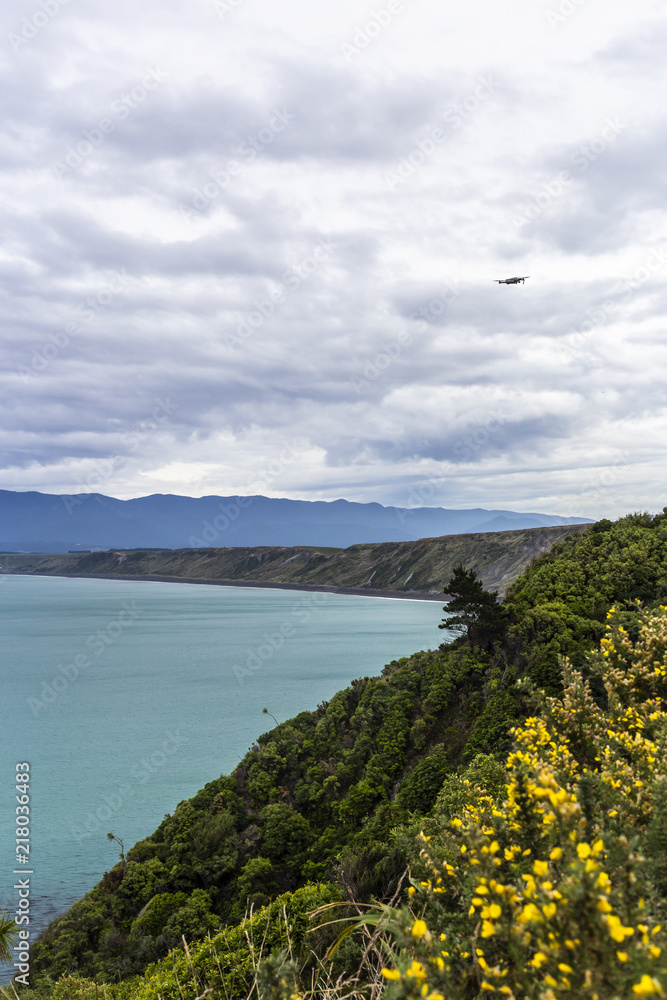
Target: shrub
[(555, 890)]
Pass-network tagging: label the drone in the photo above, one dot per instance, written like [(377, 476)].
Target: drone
[(512, 281)]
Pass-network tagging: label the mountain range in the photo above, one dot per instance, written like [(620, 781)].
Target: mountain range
[(42, 522)]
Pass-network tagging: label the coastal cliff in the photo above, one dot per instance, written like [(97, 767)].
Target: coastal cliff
[(409, 569)]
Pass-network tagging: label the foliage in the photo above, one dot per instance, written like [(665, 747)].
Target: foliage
[(554, 888), (225, 965), (558, 606), (318, 797), (9, 930), (473, 611)]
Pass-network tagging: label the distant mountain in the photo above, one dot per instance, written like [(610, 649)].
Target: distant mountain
[(42, 522)]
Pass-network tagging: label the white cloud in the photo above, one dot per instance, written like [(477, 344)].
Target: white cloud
[(287, 220)]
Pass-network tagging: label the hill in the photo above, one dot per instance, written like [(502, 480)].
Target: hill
[(40, 522), (407, 568), (317, 798)]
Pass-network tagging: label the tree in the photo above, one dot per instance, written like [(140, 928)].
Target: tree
[(112, 837), (8, 935), (473, 611)]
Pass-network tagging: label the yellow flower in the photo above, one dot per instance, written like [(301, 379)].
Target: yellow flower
[(622, 956), (540, 867), (529, 912), (419, 928), (646, 986), (583, 850), (391, 974), (549, 910), (538, 959), (556, 854), (616, 929), (417, 971)]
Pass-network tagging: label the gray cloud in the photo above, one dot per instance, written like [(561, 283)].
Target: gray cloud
[(278, 245)]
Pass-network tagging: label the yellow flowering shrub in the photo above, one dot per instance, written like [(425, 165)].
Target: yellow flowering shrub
[(556, 888)]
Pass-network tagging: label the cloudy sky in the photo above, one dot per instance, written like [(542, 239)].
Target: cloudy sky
[(248, 246)]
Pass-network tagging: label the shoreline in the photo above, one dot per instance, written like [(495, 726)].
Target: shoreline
[(411, 595)]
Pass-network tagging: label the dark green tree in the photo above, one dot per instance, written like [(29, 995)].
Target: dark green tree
[(473, 612), (9, 933)]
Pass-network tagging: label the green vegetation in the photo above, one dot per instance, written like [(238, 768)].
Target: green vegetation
[(473, 611), (551, 884), (8, 936), (326, 808)]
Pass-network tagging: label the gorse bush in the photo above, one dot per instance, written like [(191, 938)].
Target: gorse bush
[(554, 888), (226, 965), (320, 798)]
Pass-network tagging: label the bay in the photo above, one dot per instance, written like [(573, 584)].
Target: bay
[(126, 697)]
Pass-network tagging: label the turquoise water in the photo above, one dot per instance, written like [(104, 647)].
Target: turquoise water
[(127, 697)]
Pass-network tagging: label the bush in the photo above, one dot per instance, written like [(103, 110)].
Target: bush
[(556, 890)]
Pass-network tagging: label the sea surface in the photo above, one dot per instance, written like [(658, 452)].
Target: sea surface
[(127, 697)]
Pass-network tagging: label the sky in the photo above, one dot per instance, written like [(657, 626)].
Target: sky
[(250, 246)]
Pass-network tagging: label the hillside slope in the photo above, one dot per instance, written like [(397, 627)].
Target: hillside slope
[(418, 568), (316, 799)]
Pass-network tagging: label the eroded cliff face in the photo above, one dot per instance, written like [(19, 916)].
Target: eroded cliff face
[(412, 568)]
